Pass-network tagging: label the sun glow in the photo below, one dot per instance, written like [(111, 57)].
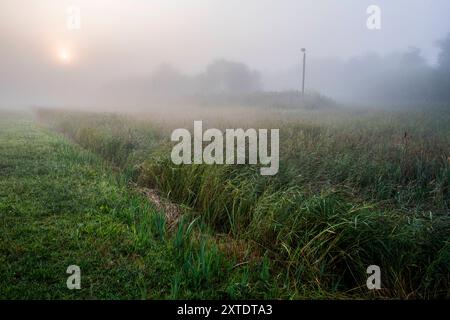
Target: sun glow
[(64, 55)]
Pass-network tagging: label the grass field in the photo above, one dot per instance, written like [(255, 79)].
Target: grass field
[(354, 189), (61, 205)]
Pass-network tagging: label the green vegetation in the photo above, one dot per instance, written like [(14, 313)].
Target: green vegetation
[(354, 189), (61, 205)]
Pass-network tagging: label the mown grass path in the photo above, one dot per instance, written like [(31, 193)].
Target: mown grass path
[(60, 206)]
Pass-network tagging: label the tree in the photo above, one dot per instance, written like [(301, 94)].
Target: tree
[(442, 74), (224, 76), (167, 80)]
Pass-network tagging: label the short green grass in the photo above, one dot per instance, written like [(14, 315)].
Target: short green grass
[(61, 205)]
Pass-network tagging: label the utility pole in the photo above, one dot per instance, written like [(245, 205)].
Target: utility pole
[(304, 71)]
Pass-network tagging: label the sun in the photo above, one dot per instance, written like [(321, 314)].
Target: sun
[(64, 55)]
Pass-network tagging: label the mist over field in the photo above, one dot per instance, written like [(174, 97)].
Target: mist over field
[(133, 53), (225, 150)]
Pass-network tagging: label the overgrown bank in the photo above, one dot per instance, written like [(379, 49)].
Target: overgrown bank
[(350, 193), (61, 205)]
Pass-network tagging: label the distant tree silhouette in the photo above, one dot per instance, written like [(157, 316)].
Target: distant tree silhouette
[(167, 80), (442, 74), (224, 76)]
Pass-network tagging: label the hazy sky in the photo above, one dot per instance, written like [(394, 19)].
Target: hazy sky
[(124, 38)]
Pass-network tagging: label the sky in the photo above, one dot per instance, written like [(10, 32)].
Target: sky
[(119, 39)]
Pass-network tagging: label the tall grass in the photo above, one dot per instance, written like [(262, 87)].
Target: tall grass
[(353, 190)]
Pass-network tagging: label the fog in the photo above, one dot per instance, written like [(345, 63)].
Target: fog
[(134, 53)]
